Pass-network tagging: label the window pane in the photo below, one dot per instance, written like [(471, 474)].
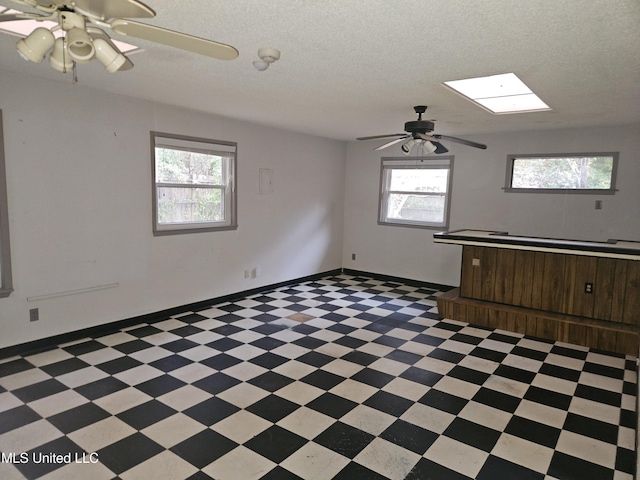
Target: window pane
[(415, 193), (419, 208), (185, 205), (563, 173), (419, 180), (181, 166)]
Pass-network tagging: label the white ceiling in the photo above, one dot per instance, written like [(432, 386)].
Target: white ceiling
[(352, 68)]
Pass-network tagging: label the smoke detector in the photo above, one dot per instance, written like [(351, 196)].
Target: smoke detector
[(267, 57)]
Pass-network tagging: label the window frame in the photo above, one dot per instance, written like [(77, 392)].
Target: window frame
[(6, 279), (579, 191), (229, 190), (388, 164)]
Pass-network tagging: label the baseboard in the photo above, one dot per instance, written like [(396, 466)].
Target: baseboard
[(389, 278), (48, 343)]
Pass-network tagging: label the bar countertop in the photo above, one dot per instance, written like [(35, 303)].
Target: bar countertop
[(627, 249)]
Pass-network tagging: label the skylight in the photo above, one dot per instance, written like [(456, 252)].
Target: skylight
[(22, 28), (499, 94)]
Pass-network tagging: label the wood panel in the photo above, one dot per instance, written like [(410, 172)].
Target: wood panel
[(626, 343), (523, 278), (631, 313), (554, 282), (586, 273), (604, 294), (537, 280), (504, 275), (579, 271), (619, 290), (608, 336), (487, 272), (466, 275)]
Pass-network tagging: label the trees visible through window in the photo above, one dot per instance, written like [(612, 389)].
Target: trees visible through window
[(194, 184), (415, 192), (575, 173)]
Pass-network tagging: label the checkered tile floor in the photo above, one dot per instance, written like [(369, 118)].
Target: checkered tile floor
[(342, 378)]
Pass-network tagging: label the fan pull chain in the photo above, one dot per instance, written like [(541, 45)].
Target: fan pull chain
[(64, 54)]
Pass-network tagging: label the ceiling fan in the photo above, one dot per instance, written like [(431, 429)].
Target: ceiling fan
[(83, 39), (419, 134)]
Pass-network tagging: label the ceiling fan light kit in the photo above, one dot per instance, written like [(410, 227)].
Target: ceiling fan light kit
[(35, 46), (424, 146), (108, 55), (81, 43), (59, 57), (419, 133), (407, 147), (428, 148)]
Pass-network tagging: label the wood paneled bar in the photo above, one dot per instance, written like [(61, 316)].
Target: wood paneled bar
[(585, 293)]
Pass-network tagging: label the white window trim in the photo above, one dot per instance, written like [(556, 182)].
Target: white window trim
[(6, 280), (390, 163), (202, 145), (593, 191)]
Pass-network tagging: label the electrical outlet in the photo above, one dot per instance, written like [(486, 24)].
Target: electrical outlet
[(34, 315), (247, 274), (254, 272), (475, 262), (588, 287), (598, 204), (353, 256)]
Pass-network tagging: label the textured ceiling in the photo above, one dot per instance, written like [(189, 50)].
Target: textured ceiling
[(351, 68)]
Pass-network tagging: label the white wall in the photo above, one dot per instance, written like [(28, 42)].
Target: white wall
[(479, 202), (79, 186)]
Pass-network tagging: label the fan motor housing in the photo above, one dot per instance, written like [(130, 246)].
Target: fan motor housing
[(419, 126)]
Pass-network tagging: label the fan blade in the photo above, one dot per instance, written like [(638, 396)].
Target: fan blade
[(381, 136), (10, 17), (174, 39), (427, 137), (128, 65), (440, 148), (48, 4), (462, 141), (114, 9), (13, 17), (392, 142)]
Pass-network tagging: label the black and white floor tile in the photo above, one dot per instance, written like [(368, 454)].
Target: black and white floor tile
[(342, 378)]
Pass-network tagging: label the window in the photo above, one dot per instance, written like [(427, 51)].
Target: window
[(415, 193), (6, 286), (564, 173), (194, 187)]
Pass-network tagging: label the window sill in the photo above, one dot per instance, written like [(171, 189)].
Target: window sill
[(413, 225), (180, 231), (5, 292), (571, 191)]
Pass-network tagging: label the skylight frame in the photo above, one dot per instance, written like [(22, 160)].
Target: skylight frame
[(501, 94)]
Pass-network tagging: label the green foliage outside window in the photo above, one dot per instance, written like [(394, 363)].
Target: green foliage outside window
[(181, 166), (563, 173), (189, 204)]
